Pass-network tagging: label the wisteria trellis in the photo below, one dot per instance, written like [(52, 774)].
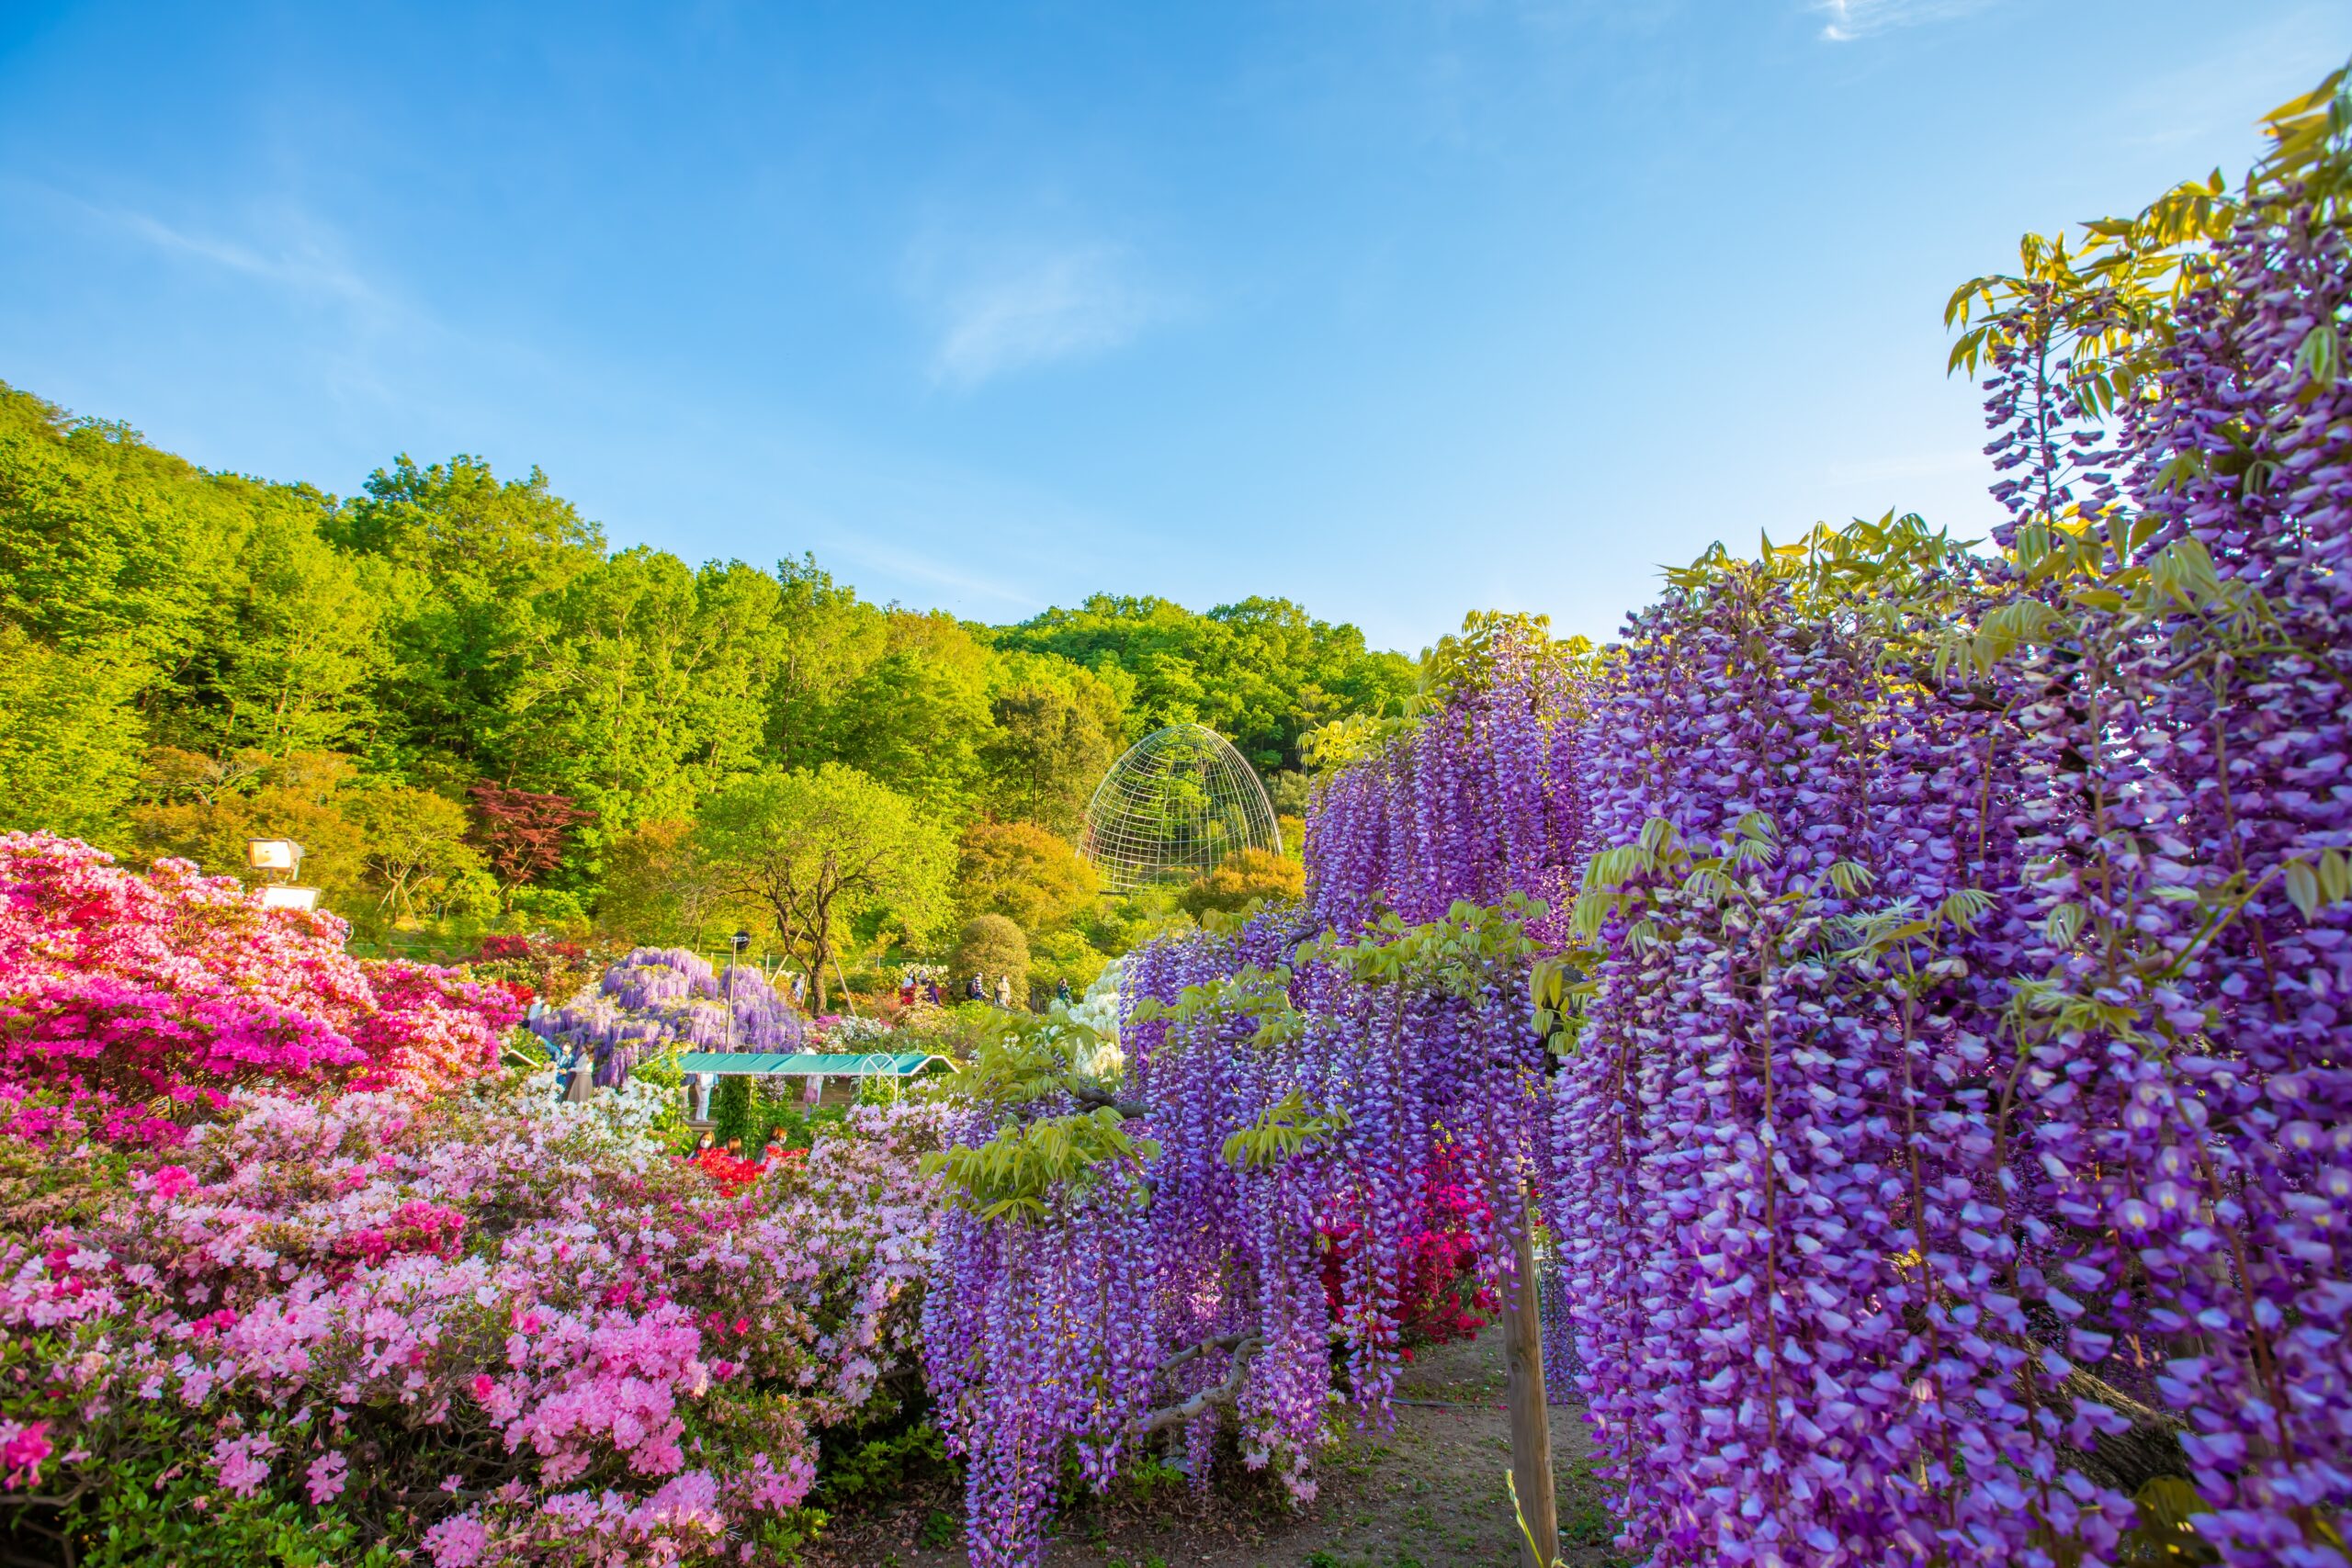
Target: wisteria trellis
[(656, 999), (1950, 1141)]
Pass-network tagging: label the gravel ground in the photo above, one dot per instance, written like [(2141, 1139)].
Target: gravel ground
[(1428, 1494)]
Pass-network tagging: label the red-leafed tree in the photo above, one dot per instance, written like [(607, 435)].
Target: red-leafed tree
[(521, 831)]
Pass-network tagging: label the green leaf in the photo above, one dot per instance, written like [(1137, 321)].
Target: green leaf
[(2303, 887), (1964, 907), (2322, 355), (2334, 876)]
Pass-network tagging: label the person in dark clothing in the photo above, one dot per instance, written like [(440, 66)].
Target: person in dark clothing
[(1061, 991)]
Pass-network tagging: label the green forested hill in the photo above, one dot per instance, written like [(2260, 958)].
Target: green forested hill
[(468, 705)]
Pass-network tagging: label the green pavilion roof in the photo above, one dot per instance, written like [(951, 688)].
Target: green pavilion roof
[(809, 1064)]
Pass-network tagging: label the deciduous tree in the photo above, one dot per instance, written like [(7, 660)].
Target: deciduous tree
[(814, 848), (1017, 869), (661, 885), (415, 843), (521, 833), (1243, 877)]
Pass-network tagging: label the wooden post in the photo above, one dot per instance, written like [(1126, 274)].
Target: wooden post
[(1531, 1426)]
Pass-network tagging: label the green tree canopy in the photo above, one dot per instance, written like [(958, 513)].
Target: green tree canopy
[(1058, 727), (918, 717), (830, 638), (815, 848), (189, 657), (989, 946), (1260, 672), (1017, 869), (69, 743)]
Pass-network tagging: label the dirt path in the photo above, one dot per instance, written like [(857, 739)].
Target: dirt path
[(1428, 1494)]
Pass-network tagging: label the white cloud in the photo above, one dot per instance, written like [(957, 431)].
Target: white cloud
[(1031, 308), (1852, 19), (314, 306), (300, 257)]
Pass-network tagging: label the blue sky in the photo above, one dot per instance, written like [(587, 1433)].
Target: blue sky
[(1397, 309)]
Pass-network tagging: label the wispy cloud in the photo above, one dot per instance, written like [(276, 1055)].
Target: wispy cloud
[(313, 302), (1013, 311), (1852, 19), (936, 569), (298, 255)]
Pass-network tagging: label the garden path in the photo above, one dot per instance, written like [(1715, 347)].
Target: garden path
[(1428, 1494)]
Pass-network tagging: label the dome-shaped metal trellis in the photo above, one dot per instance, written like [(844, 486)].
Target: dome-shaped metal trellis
[(1173, 807)]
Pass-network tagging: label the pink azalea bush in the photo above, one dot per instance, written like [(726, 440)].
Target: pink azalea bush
[(284, 1256), (130, 1005), (479, 1326)]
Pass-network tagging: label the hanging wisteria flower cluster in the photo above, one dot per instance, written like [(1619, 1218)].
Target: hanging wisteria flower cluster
[(1477, 800), (1949, 1145), (667, 999), (1318, 1146), (1956, 1145)]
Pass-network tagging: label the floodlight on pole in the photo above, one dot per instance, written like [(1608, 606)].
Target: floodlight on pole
[(274, 854), (739, 941), (283, 856)]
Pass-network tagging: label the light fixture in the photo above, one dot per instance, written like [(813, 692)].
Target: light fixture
[(285, 857), (739, 941), (274, 854)]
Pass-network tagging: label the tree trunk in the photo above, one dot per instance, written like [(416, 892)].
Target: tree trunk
[(820, 946), (1530, 1429)]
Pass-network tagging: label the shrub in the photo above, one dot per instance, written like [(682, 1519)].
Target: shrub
[(487, 1328), (1245, 877), (990, 945), (130, 1005)]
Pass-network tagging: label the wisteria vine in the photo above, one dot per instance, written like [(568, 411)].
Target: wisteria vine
[(1934, 1089), (657, 998)]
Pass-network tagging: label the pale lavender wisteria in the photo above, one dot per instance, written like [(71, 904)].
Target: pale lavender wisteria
[(668, 999)]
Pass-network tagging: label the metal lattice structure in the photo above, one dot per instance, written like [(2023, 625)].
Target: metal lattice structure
[(1173, 808)]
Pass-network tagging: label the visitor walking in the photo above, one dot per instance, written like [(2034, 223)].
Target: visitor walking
[(1004, 992), (1061, 991), (977, 989), (930, 989)]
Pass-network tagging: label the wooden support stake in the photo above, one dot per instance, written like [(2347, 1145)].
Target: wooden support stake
[(1531, 1426)]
